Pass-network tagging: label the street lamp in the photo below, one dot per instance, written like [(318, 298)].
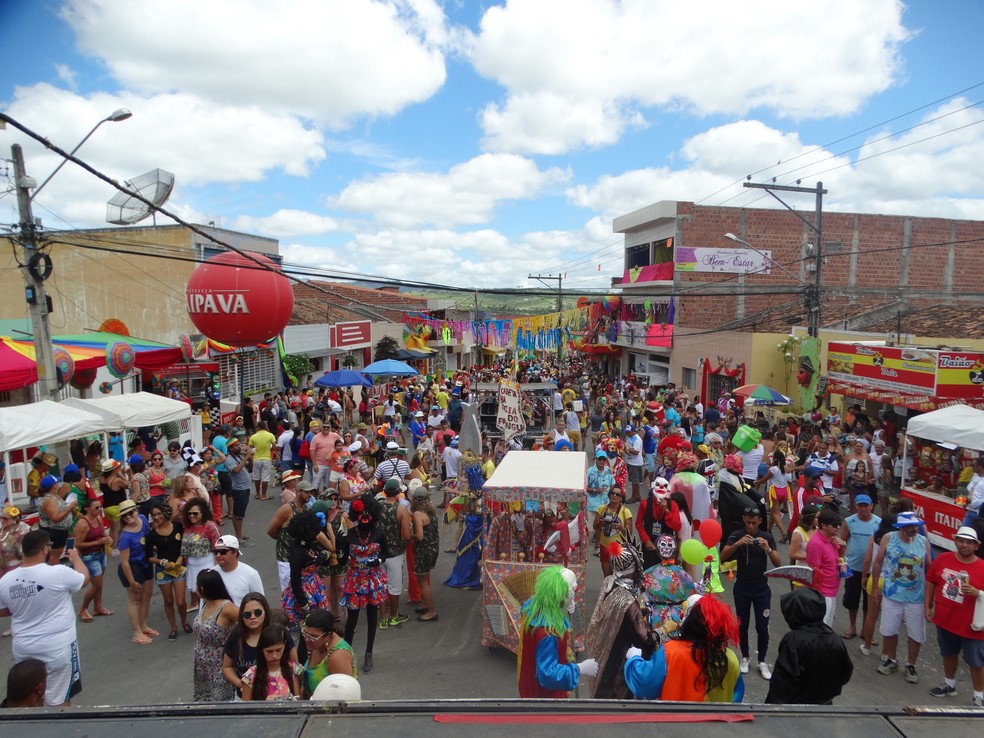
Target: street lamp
[(813, 290), (115, 117), (39, 264)]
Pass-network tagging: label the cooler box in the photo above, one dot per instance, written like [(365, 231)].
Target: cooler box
[(746, 438)]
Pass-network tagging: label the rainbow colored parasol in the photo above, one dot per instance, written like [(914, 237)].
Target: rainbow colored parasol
[(64, 365), (119, 359)]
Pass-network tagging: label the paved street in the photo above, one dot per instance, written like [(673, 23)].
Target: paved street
[(415, 661)]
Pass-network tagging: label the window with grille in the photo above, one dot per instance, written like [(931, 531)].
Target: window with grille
[(260, 371), (689, 378)]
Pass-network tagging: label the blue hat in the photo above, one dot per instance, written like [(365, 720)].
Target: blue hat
[(49, 481), (135, 459), (601, 455), (907, 518), (70, 469), (813, 471), (862, 500), (629, 428)]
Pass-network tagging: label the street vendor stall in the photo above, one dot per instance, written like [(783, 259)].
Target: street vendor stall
[(945, 441), (520, 545)]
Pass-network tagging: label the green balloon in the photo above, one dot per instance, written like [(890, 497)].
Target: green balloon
[(693, 551)]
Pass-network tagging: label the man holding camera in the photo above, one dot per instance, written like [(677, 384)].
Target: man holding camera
[(38, 598)]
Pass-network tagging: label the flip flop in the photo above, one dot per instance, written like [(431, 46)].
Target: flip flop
[(84, 616), (151, 632), (848, 636), (103, 612), (145, 641)]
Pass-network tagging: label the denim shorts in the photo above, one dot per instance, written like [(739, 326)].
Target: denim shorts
[(163, 577), (95, 563)]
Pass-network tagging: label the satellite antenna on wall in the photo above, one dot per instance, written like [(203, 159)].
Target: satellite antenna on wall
[(154, 186)]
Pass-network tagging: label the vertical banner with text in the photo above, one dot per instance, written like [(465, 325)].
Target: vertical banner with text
[(509, 419)]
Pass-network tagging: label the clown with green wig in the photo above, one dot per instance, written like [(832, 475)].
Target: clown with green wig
[(545, 665)]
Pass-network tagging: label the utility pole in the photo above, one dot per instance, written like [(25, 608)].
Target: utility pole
[(37, 268), (542, 279), (813, 293)]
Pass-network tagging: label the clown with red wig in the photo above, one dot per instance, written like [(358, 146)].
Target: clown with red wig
[(698, 665)]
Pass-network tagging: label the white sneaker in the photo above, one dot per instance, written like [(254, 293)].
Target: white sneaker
[(744, 666), (765, 671), (865, 650)]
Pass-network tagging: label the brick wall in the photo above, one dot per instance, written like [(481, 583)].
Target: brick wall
[(891, 251)]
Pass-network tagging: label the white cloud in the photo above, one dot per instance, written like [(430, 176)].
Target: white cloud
[(330, 60), (922, 171), (199, 142), (590, 74), (466, 194), (67, 75), (287, 224)]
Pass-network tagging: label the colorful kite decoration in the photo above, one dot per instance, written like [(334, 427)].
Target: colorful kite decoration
[(64, 365), (106, 387), (119, 359), (187, 350)]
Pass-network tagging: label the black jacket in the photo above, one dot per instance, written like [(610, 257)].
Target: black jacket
[(813, 664)]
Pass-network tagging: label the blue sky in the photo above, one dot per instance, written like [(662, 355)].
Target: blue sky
[(474, 144)]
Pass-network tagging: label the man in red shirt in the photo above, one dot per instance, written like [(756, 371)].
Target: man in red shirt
[(954, 583)]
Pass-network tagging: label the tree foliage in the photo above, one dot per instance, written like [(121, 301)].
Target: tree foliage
[(386, 348)]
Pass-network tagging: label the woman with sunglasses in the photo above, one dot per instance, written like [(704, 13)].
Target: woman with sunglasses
[(240, 650), (164, 545), (135, 572), (332, 572), (327, 652), (157, 477), (200, 535), (91, 538)]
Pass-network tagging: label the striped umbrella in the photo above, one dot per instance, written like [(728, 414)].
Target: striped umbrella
[(760, 394)]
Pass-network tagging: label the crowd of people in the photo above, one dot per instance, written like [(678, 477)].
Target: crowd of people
[(356, 525)]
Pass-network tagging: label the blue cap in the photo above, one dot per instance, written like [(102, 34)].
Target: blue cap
[(49, 481), (813, 471), (70, 469), (862, 500), (601, 455), (629, 428), (135, 459)]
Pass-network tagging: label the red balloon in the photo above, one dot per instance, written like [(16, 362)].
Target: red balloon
[(232, 300), (710, 533)]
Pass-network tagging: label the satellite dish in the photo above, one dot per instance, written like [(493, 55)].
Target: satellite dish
[(154, 186)]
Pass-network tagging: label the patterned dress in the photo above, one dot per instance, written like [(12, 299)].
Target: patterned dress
[(365, 581), (210, 685), (427, 550), (314, 589)]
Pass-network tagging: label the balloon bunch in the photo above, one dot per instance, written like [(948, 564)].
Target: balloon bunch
[(695, 551)]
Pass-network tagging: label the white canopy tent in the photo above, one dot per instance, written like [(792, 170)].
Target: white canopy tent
[(960, 425), (134, 410), (45, 423)]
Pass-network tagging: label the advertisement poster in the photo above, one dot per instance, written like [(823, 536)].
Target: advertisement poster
[(906, 369), (807, 372), (509, 419), (960, 374), (730, 261)]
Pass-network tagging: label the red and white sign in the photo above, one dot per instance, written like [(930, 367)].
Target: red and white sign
[(357, 334), (941, 515)]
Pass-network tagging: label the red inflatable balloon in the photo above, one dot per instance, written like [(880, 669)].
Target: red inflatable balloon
[(710, 533), (233, 300)]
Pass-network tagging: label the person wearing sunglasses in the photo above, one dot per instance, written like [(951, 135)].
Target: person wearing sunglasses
[(135, 572), (200, 535), (240, 647), (327, 652), (91, 538), (240, 579)]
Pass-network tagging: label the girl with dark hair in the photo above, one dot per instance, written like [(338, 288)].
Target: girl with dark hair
[(200, 535), (698, 666), (364, 585), (240, 650), (164, 552), (272, 677), (213, 624), (327, 652), (307, 548)]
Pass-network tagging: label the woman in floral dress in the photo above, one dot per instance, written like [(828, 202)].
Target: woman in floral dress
[(364, 585), (200, 535), (213, 624)]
